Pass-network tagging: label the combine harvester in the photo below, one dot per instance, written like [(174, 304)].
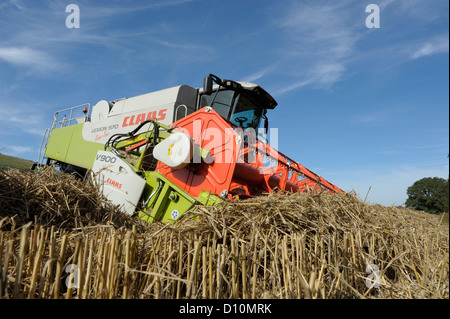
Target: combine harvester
[(159, 154)]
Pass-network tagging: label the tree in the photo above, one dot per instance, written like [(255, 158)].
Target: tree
[(430, 194)]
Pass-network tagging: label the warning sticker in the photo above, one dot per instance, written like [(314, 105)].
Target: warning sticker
[(174, 214)]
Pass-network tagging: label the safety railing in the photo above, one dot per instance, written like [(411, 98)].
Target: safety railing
[(67, 117)]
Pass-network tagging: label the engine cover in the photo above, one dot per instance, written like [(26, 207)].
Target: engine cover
[(118, 181), (175, 151)]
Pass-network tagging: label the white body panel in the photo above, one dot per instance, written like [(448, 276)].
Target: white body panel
[(100, 111), (117, 181), (126, 114), (175, 151)]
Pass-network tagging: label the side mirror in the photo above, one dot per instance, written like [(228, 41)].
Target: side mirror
[(266, 125), (207, 85)]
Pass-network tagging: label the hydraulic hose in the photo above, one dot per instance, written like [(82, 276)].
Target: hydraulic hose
[(116, 138)]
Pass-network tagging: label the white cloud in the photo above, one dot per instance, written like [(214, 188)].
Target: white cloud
[(259, 74), (319, 38), (49, 46), (291, 87), (97, 11), (325, 42), (328, 73), (14, 3), (17, 150), (181, 46), (28, 57), (434, 46), (18, 116)]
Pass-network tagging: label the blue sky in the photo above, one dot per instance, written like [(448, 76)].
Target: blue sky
[(364, 108)]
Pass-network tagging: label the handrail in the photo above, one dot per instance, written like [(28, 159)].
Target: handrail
[(68, 121), (43, 145), (176, 112)]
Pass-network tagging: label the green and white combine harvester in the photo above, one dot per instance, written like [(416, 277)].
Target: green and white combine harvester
[(159, 154)]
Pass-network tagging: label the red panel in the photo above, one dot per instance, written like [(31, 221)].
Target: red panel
[(232, 165), (211, 132)]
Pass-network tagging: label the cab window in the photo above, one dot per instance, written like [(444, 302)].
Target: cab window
[(241, 109), (247, 113), (222, 102)]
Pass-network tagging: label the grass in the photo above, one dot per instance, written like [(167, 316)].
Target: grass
[(11, 162)]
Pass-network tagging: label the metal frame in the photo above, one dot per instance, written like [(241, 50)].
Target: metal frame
[(68, 122)]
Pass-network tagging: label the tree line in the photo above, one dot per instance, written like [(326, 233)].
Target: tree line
[(430, 194)]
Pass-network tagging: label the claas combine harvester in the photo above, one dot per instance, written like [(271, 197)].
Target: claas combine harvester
[(159, 154)]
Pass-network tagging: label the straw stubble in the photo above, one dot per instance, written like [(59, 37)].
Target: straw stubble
[(301, 245)]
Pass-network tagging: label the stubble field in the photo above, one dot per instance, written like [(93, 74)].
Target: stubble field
[(58, 240)]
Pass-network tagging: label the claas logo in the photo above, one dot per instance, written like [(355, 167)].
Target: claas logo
[(142, 117), (114, 183)]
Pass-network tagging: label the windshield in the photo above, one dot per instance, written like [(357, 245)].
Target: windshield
[(239, 108), (223, 101), (247, 112)]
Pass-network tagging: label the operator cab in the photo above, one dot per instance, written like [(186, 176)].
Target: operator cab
[(242, 103)]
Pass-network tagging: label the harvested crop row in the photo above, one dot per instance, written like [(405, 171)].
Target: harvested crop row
[(280, 246)]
